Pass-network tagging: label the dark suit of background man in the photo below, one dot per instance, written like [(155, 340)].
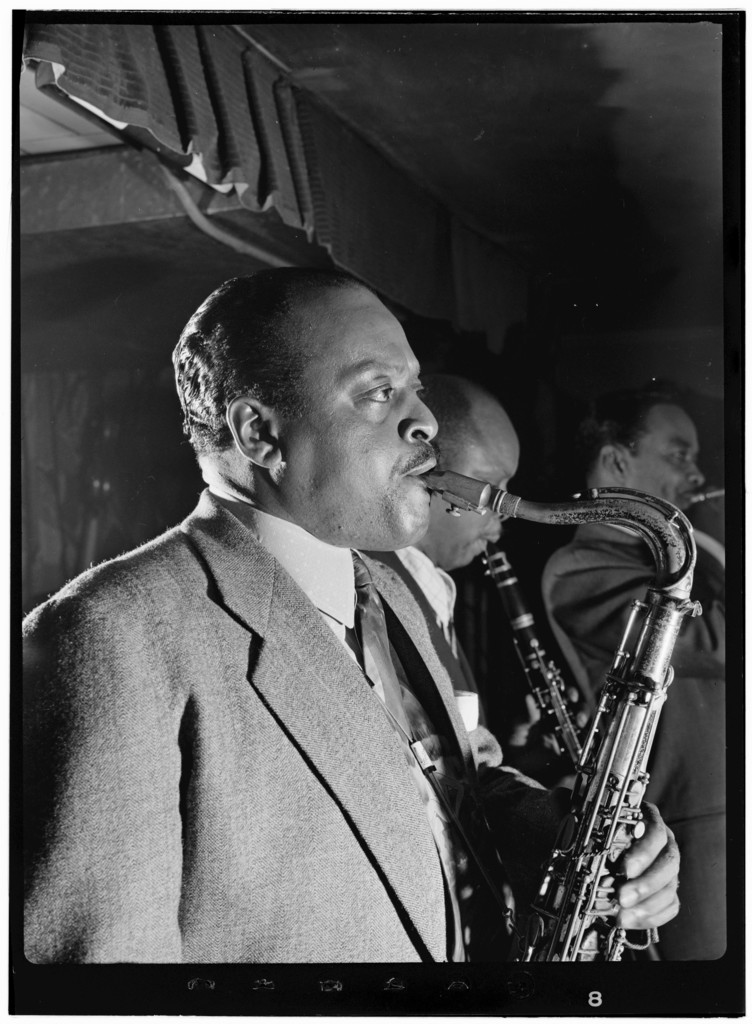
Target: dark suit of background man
[(210, 774), (645, 440)]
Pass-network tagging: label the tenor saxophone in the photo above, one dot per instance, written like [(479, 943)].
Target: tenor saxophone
[(573, 915), (557, 702)]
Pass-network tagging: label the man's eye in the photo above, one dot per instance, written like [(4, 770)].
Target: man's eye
[(679, 458), (382, 394)]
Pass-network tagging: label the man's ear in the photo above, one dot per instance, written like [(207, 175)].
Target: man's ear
[(255, 430), (613, 462)]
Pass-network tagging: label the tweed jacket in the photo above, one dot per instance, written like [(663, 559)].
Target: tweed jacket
[(208, 777)]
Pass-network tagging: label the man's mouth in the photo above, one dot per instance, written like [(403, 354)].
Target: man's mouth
[(423, 467)]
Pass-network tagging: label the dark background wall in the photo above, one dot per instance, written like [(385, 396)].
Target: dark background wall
[(594, 157)]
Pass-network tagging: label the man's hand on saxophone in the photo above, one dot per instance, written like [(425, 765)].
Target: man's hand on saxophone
[(648, 898)]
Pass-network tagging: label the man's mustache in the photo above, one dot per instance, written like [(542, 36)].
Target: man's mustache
[(423, 453)]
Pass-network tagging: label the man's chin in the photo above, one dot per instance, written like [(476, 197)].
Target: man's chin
[(411, 520), (409, 537), (474, 550), (397, 527), (403, 533)]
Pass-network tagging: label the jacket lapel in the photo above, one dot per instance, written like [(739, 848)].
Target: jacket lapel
[(407, 610), (325, 704), (456, 665)]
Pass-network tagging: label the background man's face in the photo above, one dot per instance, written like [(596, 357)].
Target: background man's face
[(663, 462), (452, 541), (352, 460)]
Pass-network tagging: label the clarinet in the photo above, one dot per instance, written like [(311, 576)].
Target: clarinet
[(573, 914), (543, 676)]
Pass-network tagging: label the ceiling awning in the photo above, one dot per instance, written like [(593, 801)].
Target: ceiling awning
[(232, 118)]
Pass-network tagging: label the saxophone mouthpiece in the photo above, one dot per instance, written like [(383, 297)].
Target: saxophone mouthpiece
[(464, 492), (459, 492)]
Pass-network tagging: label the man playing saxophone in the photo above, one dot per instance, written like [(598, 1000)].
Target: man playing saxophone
[(240, 743), (646, 440)]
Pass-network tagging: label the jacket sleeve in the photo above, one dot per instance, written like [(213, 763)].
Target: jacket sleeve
[(588, 591), (524, 819), (588, 594), (102, 825)]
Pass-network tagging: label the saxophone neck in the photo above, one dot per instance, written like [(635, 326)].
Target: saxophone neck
[(665, 529)]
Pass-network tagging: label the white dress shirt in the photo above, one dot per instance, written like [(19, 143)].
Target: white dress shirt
[(322, 571), (438, 586), (441, 593)]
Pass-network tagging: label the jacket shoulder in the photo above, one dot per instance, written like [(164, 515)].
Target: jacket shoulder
[(165, 567), (597, 547)]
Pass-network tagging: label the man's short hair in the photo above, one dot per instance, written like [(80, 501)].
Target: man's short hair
[(619, 417), (244, 340), (453, 401)]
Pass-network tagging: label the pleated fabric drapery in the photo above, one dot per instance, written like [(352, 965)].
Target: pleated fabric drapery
[(238, 123), (192, 87), (373, 219), (490, 290)]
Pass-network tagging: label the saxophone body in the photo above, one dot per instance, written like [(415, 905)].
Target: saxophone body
[(557, 701), (573, 915)]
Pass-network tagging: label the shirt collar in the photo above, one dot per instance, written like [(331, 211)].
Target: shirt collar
[(322, 571), (437, 585)]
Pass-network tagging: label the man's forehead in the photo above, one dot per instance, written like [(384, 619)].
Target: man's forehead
[(348, 305), (356, 335), (387, 362), (491, 460), (671, 423), (495, 434)]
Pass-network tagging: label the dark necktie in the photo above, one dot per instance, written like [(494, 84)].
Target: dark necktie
[(443, 794), (370, 626)]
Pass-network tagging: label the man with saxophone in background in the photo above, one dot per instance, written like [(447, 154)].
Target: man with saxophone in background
[(645, 440), (240, 743)]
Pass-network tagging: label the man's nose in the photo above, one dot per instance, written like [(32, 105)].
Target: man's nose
[(695, 475), (420, 423)]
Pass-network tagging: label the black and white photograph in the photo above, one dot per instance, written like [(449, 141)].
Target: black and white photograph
[(377, 443)]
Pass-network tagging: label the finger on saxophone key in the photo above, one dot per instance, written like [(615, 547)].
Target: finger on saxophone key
[(605, 897)]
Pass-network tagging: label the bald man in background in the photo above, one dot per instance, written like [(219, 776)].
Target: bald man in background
[(476, 439)]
